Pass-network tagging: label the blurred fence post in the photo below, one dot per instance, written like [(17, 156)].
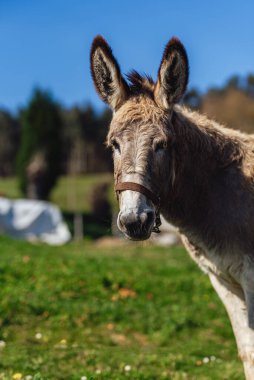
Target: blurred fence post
[(78, 226)]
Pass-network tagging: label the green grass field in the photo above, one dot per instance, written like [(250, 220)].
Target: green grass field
[(135, 312)]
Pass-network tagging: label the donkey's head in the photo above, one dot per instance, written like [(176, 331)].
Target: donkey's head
[(141, 132)]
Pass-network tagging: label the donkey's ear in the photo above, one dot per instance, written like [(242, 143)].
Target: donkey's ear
[(172, 75), (109, 83)]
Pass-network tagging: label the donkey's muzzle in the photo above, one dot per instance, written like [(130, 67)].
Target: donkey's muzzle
[(136, 226)]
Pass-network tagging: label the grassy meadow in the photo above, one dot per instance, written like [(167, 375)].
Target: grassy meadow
[(136, 312), (90, 312)]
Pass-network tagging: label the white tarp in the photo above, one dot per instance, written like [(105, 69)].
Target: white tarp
[(33, 220)]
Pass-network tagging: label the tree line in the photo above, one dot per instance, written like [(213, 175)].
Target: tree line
[(44, 139)]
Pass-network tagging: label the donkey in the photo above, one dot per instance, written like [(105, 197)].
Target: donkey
[(198, 174)]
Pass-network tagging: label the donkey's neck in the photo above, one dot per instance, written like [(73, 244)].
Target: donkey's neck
[(204, 154), (203, 138)]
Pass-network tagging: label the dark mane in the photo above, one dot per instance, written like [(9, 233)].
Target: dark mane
[(140, 83)]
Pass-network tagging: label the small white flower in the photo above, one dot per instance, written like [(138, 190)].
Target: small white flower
[(127, 368), (29, 377), (213, 358), (2, 344), (83, 378), (206, 360), (98, 371), (38, 336)]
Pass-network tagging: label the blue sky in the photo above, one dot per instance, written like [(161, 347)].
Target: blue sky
[(46, 43)]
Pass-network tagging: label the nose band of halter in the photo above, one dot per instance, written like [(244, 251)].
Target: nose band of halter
[(121, 186)]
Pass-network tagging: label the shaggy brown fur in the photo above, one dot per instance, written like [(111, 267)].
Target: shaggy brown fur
[(203, 172)]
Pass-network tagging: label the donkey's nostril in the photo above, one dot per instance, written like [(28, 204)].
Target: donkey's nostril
[(127, 219), (143, 217), (147, 217)]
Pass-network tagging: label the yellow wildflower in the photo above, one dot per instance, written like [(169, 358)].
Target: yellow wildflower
[(17, 376)]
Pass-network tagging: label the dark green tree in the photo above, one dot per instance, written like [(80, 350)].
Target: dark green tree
[(84, 136), (9, 140), (250, 84), (233, 82), (39, 157)]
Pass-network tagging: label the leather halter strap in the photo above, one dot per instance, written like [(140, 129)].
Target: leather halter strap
[(121, 186)]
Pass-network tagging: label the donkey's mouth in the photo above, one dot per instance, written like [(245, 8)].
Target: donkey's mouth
[(137, 236)]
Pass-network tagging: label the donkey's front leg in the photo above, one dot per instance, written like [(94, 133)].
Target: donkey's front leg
[(247, 282), (233, 300), (249, 298)]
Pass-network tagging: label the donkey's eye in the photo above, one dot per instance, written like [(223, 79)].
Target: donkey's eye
[(115, 145), (160, 145)]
